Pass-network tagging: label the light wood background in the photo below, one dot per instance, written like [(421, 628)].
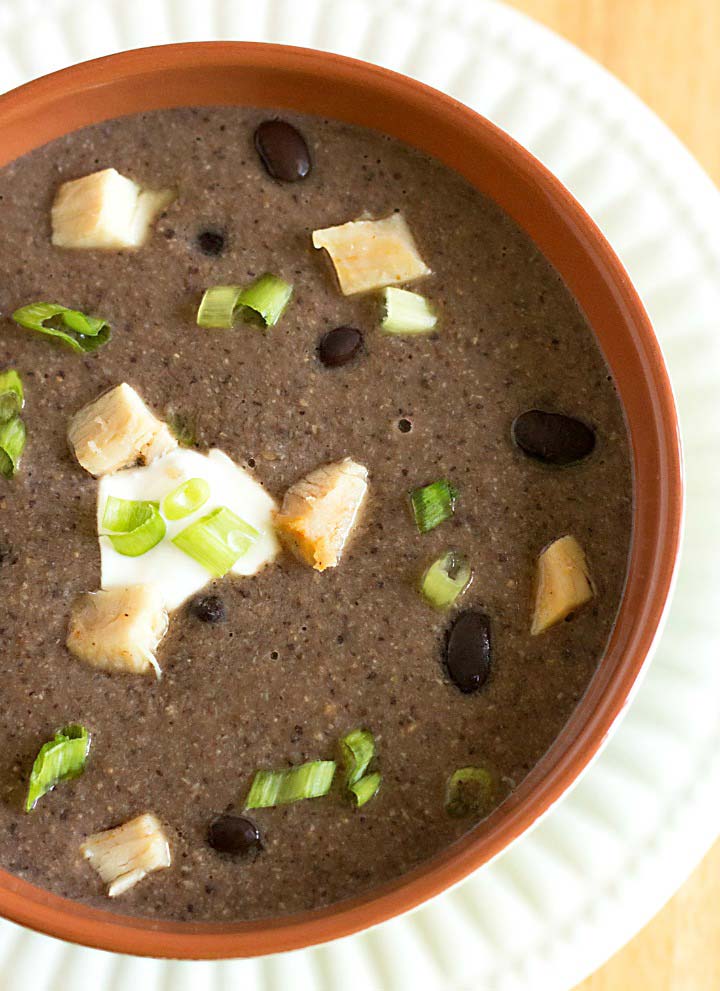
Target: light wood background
[(668, 52)]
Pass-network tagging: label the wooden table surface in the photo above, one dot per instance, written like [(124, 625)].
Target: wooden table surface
[(667, 52)]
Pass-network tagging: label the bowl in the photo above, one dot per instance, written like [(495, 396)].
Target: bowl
[(227, 73)]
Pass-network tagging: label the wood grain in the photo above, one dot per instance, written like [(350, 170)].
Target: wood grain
[(667, 52)]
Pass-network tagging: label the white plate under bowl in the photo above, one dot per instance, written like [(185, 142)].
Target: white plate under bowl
[(568, 894)]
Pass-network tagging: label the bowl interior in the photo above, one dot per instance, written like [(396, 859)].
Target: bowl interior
[(228, 73)]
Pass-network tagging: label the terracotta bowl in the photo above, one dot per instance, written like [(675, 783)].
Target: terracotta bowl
[(275, 76)]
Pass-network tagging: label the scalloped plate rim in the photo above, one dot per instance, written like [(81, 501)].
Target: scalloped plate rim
[(568, 68)]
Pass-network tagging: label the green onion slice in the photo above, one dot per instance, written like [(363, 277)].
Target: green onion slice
[(185, 499), (12, 397), (125, 515), (432, 504), (136, 527), (366, 788), (406, 312), (217, 541), (12, 445), (183, 428), (470, 791), (446, 579), (358, 749), (268, 296), (81, 332), (311, 780), (217, 307), (59, 759)]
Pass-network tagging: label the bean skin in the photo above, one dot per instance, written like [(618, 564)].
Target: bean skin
[(282, 150)]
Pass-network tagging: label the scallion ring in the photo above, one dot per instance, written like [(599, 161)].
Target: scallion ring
[(135, 527), (358, 749), (183, 427), (58, 760), (185, 499), (311, 780), (406, 312), (81, 332), (12, 397), (217, 541), (217, 307), (470, 791), (366, 788), (432, 504), (268, 296), (12, 445), (446, 579)]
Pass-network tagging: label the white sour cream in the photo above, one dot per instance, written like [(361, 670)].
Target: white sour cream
[(178, 575)]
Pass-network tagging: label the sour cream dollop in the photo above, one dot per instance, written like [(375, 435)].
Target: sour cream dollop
[(176, 574)]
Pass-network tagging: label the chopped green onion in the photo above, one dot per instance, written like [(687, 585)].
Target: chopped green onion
[(366, 788), (446, 579), (470, 791), (12, 444), (217, 541), (406, 312), (432, 504), (12, 428), (183, 428), (136, 527), (59, 759), (268, 296), (311, 780), (81, 332), (12, 397), (358, 749), (125, 515), (185, 499), (217, 307)]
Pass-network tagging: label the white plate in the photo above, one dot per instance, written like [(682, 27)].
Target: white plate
[(566, 896)]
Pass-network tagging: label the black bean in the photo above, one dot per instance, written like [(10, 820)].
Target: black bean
[(211, 242), (236, 835), (552, 437), (339, 346), (282, 149), (468, 651), (208, 608)]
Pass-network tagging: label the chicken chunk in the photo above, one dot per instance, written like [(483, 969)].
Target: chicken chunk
[(319, 512), (125, 855), (119, 629), (105, 210), (117, 430), (563, 583), (372, 254)]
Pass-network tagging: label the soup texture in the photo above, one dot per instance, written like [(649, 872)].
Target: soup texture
[(271, 670)]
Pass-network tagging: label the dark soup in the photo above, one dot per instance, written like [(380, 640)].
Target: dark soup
[(315, 517)]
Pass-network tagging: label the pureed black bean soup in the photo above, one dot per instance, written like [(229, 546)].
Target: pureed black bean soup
[(455, 697)]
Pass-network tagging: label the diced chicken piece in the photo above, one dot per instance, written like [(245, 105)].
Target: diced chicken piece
[(117, 430), (105, 210), (125, 855), (563, 583), (372, 254), (119, 629), (319, 511)]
